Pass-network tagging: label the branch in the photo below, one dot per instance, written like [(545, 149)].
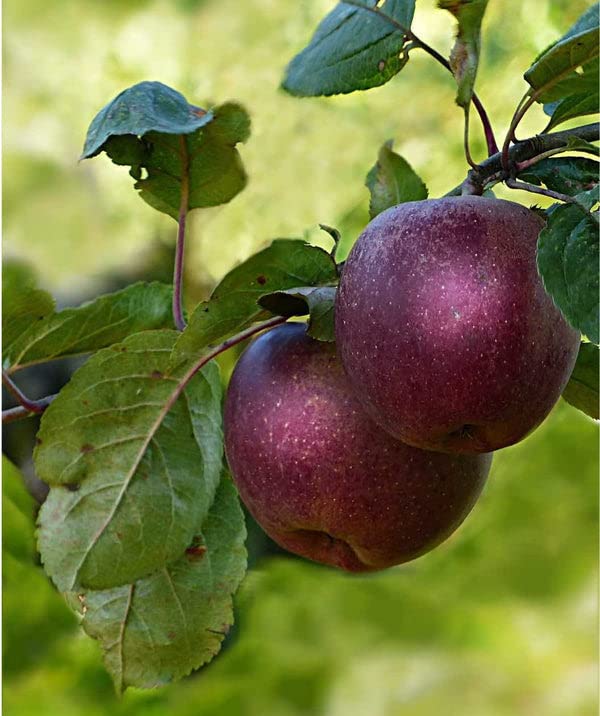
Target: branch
[(492, 170)]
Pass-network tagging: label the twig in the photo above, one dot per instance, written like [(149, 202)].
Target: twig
[(491, 170), (19, 413), (534, 189), (30, 406)]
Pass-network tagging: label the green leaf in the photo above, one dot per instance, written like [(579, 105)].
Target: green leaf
[(145, 107), (392, 181), (23, 304), (575, 105), (169, 156), (233, 305), (357, 46), (582, 389), (319, 303), (17, 514), (567, 259), (93, 325), (567, 175), (553, 76), (464, 57), (131, 476), (163, 626), (588, 199), (581, 145)]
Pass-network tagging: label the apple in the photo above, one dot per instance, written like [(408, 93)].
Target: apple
[(321, 478), (446, 333)]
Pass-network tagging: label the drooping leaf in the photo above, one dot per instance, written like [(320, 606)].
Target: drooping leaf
[(23, 303), (582, 389), (569, 66), (464, 57), (93, 325), (358, 45), (145, 107), (167, 624), (17, 514), (567, 259), (392, 181), (233, 305), (318, 303), (132, 468), (182, 149), (567, 175)]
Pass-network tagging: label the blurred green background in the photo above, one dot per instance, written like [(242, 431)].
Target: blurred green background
[(499, 621)]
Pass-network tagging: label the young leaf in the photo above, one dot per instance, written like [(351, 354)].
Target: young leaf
[(392, 181), (93, 325), (582, 389), (23, 303), (319, 303), (233, 305), (167, 624), (132, 467), (359, 45), (464, 58), (567, 259), (17, 515), (152, 129), (567, 175)]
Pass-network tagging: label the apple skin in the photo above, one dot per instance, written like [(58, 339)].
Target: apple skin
[(444, 328), (320, 477)]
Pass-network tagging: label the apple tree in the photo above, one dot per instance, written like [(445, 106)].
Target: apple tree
[(359, 425)]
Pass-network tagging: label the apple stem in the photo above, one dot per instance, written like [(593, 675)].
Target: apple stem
[(180, 247)]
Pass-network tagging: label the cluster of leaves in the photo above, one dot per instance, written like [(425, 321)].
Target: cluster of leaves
[(142, 530)]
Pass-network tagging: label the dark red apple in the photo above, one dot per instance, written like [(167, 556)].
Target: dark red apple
[(444, 328), (320, 477)]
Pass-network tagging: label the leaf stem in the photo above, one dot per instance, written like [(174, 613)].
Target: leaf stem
[(225, 345), (32, 407), (521, 166), (522, 108), (534, 189), (432, 52), (468, 156), (180, 247)]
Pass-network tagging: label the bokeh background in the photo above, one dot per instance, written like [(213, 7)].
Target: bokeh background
[(499, 621)]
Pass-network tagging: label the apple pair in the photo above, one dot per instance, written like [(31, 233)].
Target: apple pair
[(371, 452)]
